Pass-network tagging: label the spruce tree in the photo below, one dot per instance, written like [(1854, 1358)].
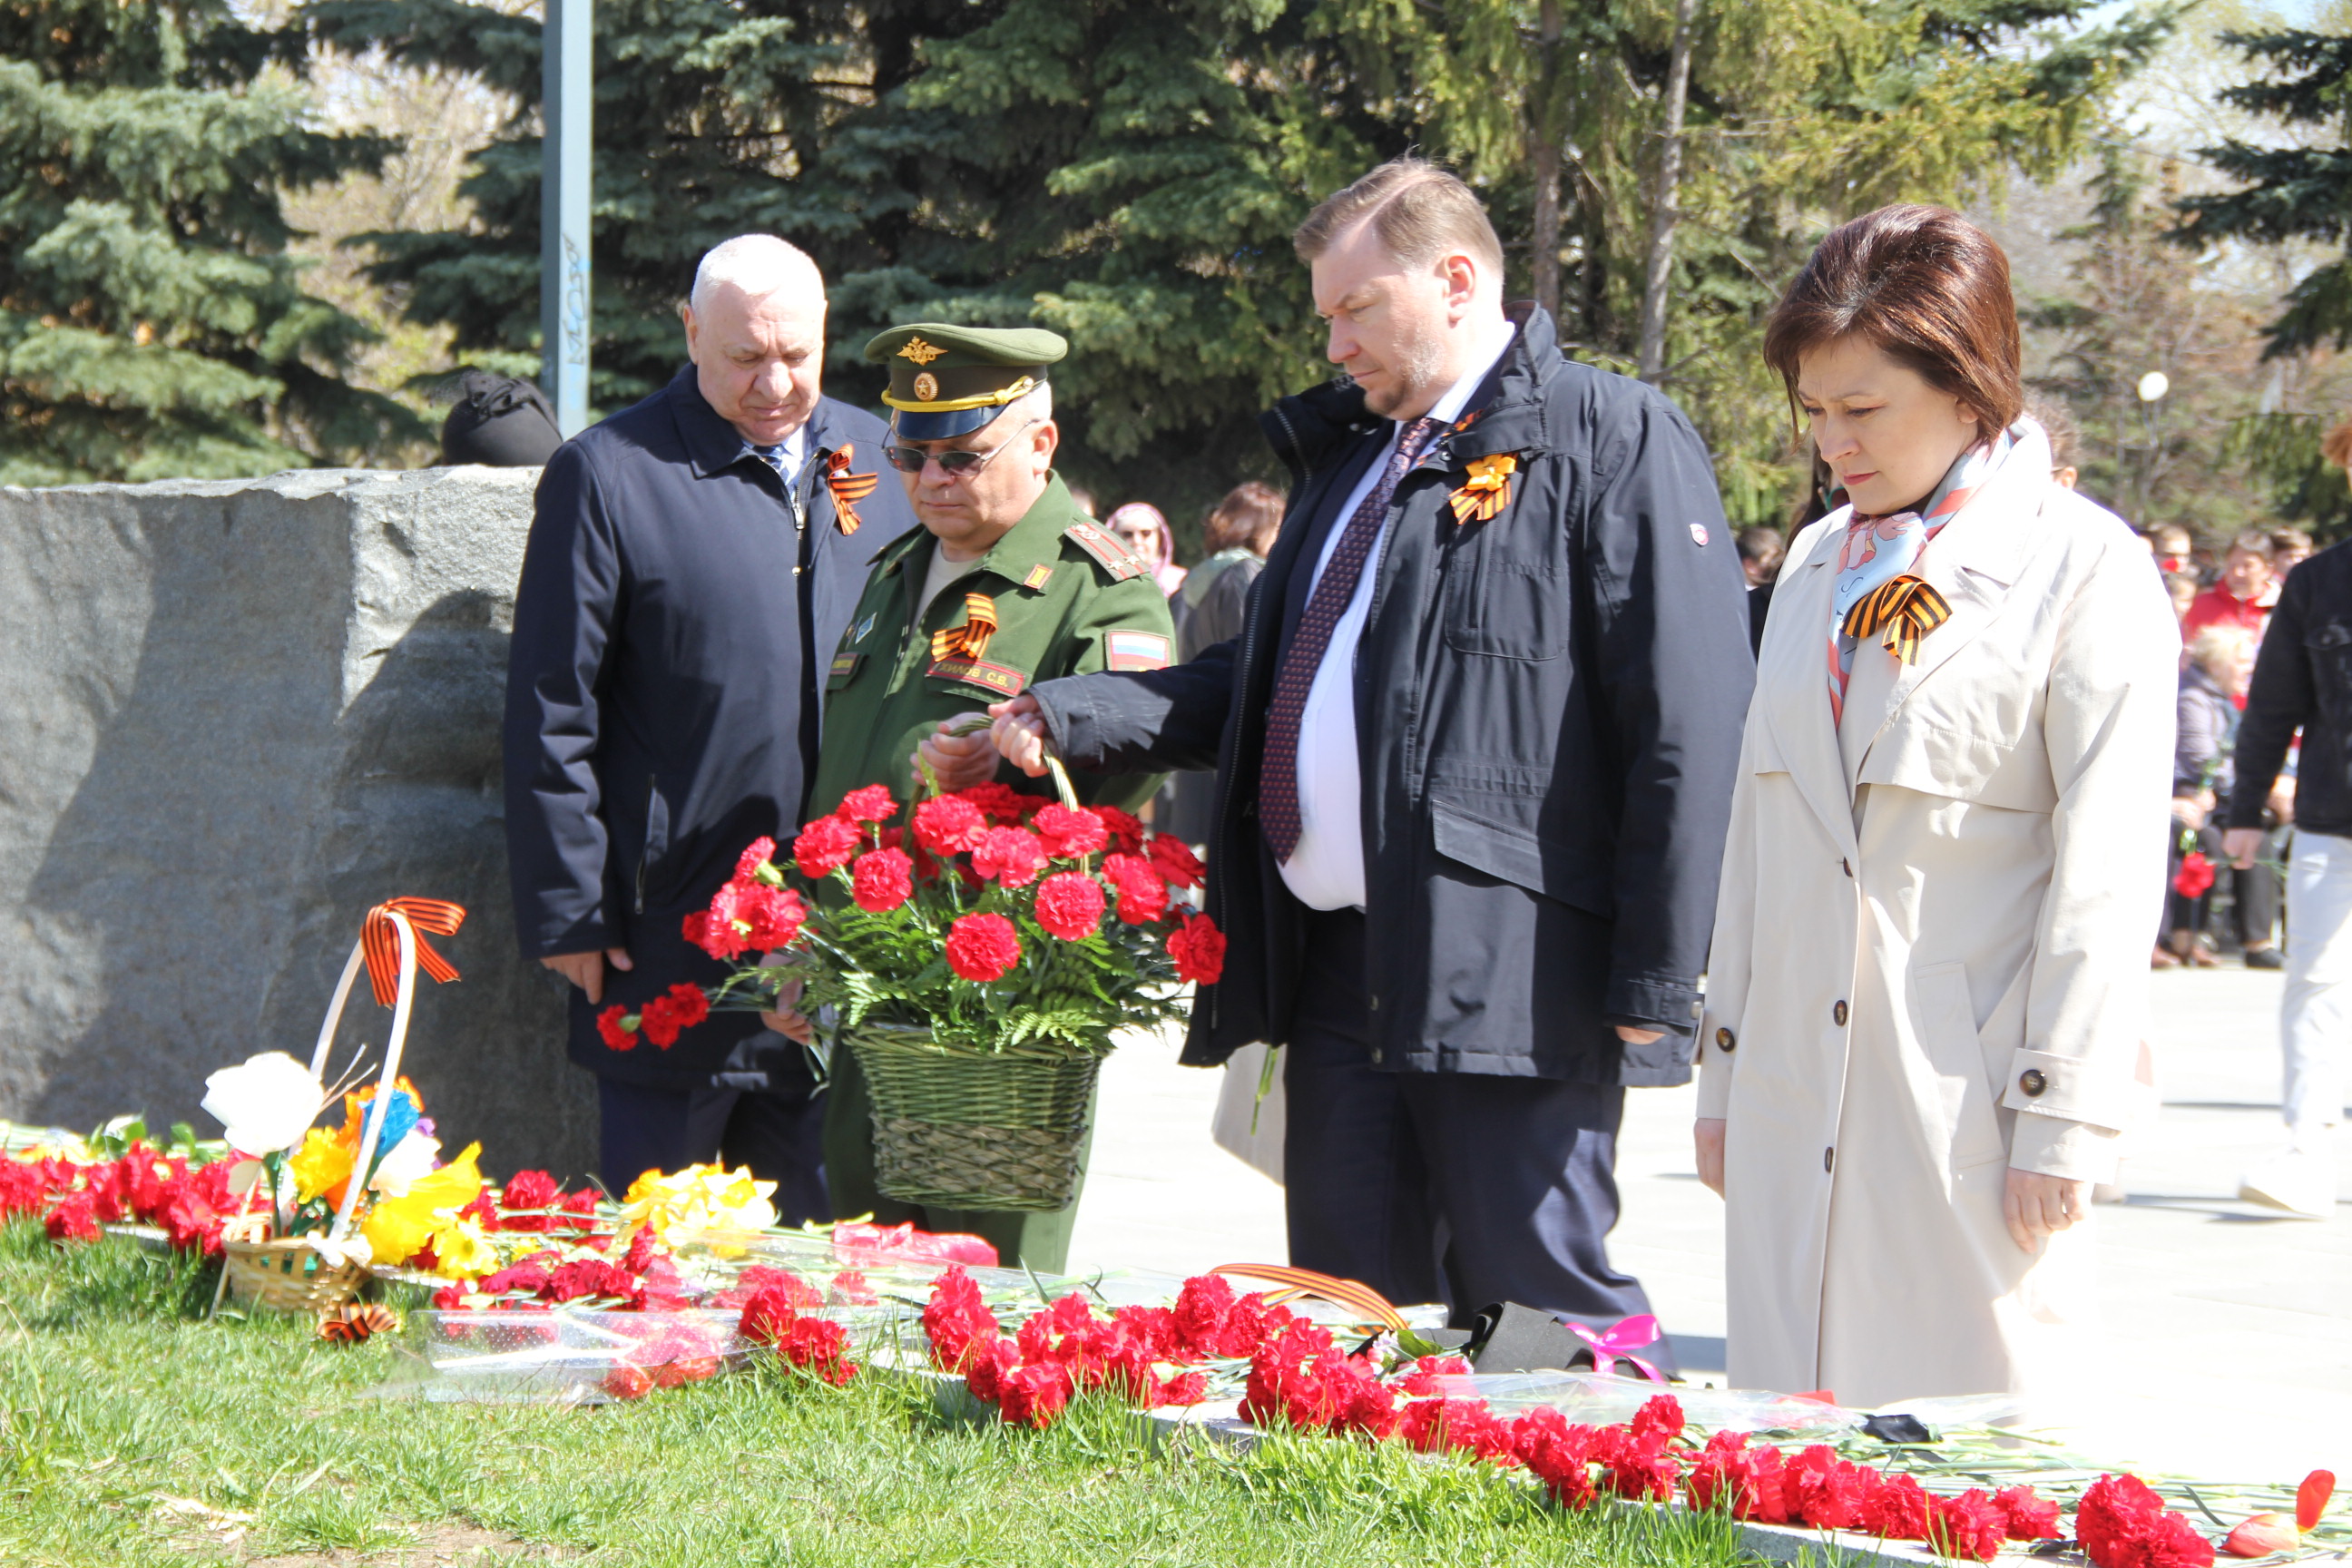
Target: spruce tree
[(2285, 195), (151, 322)]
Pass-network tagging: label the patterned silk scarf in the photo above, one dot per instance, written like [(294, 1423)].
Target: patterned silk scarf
[(1876, 591)]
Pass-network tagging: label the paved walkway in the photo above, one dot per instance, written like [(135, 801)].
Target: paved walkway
[(2230, 1332)]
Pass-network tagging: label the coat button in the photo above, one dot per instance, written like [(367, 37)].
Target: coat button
[(1829, 1159), (2032, 1082), (1837, 1014), (1726, 1040), (1374, 1003), (1376, 1056), (1846, 867)]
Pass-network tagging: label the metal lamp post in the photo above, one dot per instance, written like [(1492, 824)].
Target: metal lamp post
[(567, 111)]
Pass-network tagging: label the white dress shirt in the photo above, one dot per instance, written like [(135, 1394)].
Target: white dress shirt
[(1326, 870)]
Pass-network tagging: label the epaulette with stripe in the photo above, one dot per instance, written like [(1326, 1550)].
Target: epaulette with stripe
[(1109, 553)]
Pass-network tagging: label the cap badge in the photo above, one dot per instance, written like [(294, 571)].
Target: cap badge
[(927, 385), (919, 351)]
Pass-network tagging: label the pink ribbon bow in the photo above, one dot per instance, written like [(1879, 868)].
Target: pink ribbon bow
[(1623, 1341)]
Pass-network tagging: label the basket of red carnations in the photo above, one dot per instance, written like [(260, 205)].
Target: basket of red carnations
[(977, 953)]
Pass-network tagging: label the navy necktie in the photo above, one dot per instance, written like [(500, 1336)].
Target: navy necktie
[(1278, 796)]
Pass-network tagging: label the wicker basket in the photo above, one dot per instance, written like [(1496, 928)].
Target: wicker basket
[(287, 1276), (973, 1132)]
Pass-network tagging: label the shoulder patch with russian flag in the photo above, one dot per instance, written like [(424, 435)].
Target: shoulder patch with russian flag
[(1135, 650)]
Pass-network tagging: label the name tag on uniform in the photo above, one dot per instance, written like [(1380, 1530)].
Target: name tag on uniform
[(1135, 650), (978, 672)]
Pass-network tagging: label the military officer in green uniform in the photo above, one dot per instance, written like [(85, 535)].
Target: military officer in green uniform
[(1006, 583)]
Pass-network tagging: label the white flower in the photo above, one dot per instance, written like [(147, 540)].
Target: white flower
[(412, 1158), (266, 1104)]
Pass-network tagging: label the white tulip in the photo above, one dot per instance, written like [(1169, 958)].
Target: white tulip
[(266, 1105), (412, 1158)]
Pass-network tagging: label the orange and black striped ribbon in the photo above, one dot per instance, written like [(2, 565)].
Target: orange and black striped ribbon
[(848, 489), (380, 941), (969, 640), (1905, 608), (1294, 1283)]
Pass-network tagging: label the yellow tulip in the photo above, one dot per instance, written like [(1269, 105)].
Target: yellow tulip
[(398, 1227), (700, 1197), (320, 1166)]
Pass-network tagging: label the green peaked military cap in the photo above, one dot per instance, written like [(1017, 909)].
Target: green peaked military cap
[(948, 381)]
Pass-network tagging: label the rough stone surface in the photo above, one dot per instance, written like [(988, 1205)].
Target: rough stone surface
[(236, 715)]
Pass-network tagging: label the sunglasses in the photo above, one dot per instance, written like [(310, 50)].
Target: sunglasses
[(959, 464)]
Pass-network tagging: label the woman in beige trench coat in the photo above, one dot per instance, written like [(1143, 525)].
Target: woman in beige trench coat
[(1927, 983)]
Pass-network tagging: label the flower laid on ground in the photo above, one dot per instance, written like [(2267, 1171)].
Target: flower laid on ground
[(1301, 1377), (74, 1197), (2265, 1533), (2122, 1524), (776, 1316), (984, 919), (699, 1197)]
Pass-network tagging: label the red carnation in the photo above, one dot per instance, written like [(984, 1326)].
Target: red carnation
[(74, 1219), (628, 1382), (679, 1008), (2195, 875), (613, 1025), (1125, 832), (2122, 1524), (949, 824), (1001, 801), (1070, 905), (772, 916), (1970, 1525), (1142, 896), (882, 880), (1010, 856), (1175, 860), (1033, 1395), (983, 947), (875, 803), (1198, 948), (757, 853), (825, 846), (1069, 834), (819, 1347), (2030, 1517)]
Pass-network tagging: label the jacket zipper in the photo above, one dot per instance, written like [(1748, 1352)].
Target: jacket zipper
[(646, 849)]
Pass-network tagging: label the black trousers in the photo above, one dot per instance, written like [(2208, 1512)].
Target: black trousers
[(1455, 1188), (765, 1111)]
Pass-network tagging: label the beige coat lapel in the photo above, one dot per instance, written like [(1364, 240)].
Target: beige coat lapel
[(1974, 562), (1792, 683)]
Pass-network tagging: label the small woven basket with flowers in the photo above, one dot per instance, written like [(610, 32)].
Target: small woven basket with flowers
[(977, 953)]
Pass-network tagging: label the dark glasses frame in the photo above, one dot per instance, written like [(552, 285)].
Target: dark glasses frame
[(958, 464)]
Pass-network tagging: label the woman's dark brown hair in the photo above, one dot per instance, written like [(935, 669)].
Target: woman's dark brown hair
[(1247, 518), (1927, 288)]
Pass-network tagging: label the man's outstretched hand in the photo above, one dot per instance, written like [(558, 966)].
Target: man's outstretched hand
[(959, 761), (1019, 734)]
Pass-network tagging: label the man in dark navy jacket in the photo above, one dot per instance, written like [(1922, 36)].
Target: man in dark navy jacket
[(690, 560), (1474, 749)]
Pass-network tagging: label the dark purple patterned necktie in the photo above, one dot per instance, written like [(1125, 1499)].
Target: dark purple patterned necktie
[(1277, 792)]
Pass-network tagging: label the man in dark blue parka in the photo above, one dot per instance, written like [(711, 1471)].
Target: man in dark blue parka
[(690, 560), (1474, 749)]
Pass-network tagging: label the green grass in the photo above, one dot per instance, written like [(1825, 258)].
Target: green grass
[(132, 1432)]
